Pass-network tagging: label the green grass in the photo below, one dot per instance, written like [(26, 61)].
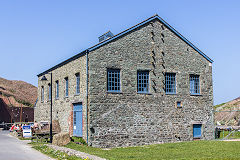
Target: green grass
[(22, 138), (235, 135), (53, 153), (183, 150), (219, 105), (79, 139)]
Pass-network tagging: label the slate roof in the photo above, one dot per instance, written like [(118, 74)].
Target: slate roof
[(122, 34)]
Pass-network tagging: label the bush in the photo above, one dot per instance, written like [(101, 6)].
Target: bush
[(24, 102), (79, 139)]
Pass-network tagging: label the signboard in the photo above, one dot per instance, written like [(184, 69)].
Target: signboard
[(27, 132)]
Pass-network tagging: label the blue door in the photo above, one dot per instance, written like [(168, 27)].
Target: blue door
[(197, 130), (77, 120)]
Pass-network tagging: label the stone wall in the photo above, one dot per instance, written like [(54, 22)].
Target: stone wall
[(129, 118), (63, 107), (10, 114), (4, 112)]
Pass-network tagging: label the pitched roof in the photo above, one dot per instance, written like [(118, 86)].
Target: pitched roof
[(123, 33)]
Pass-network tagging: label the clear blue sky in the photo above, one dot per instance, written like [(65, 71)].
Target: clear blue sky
[(36, 35)]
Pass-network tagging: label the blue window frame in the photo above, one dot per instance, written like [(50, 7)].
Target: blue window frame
[(77, 83), (170, 83), (49, 91), (194, 84), (179, 104), (66, 87), (143, 81), (57, 89), (42, 93), (113, 80)]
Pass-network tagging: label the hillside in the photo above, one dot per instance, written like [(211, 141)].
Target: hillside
[(228, 118), (18, 92)]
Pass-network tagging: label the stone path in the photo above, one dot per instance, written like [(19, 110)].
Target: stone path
[(72, 152), (231, 140)]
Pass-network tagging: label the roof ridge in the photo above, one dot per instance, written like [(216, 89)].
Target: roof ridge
[(123, 33)]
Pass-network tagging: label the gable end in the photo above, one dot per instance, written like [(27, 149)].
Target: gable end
[(122, 34)]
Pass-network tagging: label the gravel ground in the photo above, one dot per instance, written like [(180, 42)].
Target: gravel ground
[(232, 140), (72, 152)]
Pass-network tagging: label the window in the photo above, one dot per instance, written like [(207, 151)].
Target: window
[(66, 87), (57, 89), (113, 80), (49, 91), (143, 81), (77, 83), (170, 83), (179, 104), (74, 117), (26, 119), (42, 94), (194, 84)]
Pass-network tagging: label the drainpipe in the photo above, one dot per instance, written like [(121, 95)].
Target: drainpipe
[(87, 51), (214, 134)]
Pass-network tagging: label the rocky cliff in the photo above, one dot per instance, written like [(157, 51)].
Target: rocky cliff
[(228, 113), (17, 93)]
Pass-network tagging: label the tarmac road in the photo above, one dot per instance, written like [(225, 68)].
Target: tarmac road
[(12, 148)]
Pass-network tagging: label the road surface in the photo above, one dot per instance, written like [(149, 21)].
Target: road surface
[(13, 149)]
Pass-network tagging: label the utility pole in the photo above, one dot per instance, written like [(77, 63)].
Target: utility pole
[(21, 113)]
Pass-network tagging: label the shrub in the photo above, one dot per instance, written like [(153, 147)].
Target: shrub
[(79, 139)]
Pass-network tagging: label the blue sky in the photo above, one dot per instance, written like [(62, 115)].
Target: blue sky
[(36, 35)]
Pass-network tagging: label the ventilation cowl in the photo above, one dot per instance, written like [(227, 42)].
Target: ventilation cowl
[(105, 36)]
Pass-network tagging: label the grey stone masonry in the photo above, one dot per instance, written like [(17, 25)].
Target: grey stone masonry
[(130, 118), (62, 106)]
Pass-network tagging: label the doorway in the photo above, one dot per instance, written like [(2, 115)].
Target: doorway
[(77, 120)]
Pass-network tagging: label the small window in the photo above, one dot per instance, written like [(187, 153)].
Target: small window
[(74, 117), (179, 104), (170, 83), (66, 87), (42, 93), (26, 119), (143, 81), (77, 83), (49, 91), (113, 80), (194, 84), (57, 89)]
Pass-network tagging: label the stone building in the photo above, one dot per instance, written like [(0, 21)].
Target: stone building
[(145, 85), (11, 111)]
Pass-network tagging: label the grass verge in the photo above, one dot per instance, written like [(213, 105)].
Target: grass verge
[(235, 135), (53, 153), (22, 138), (183, 150)]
